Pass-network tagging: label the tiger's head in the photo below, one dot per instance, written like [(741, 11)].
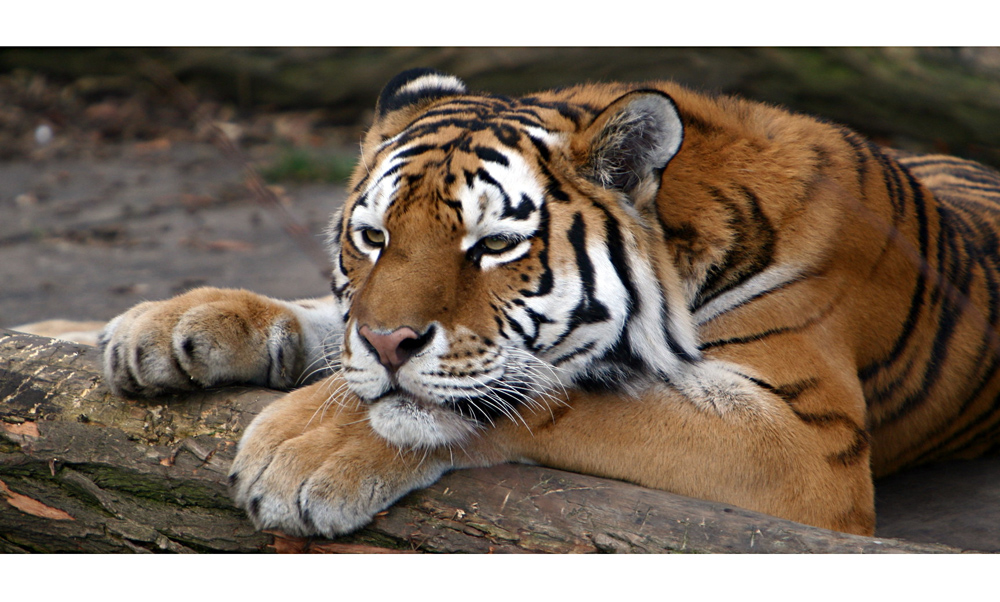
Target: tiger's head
[(494, 250)]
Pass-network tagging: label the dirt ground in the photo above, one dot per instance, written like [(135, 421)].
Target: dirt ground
[(85, 238), (106, 205)]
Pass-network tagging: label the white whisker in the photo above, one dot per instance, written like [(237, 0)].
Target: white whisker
[(328, 361), (337, 396)]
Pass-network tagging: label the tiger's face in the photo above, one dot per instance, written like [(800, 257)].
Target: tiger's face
[(487, 258)]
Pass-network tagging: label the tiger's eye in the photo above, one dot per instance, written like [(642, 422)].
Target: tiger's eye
[(375, 238), (497, 243)]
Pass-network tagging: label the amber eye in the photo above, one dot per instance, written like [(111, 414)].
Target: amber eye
[(497, 244), (373, 237)]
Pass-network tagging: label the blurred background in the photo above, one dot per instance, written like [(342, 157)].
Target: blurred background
[(111, 191)]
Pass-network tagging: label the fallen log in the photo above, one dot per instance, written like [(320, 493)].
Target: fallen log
[(930, 97), (84, 471)]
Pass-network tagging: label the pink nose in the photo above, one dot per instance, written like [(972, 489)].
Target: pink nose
[(394, 348)]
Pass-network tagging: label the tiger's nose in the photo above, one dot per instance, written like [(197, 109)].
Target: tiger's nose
[(395, 348)]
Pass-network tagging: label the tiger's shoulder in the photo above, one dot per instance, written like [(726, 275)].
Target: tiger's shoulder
[(785, 225)]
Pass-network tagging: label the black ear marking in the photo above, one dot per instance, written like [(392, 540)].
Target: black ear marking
[(633, 139), (415, 85)]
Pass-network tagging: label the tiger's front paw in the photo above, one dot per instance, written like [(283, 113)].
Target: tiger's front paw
[(310, 466), (203, 338)]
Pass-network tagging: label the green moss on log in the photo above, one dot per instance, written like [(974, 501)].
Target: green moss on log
[(174, 493)]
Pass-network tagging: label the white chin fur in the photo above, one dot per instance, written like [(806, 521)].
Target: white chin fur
[(406, 423)]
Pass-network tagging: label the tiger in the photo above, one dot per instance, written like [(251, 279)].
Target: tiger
[(692, 292)]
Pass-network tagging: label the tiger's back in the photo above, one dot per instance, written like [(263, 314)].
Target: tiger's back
[(951, 406), (914, 245)]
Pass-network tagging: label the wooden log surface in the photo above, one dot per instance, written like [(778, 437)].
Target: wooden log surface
[(84, 471)]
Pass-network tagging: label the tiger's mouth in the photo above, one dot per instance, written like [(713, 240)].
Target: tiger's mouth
[(427, 403), (397, 394), (483, 408)]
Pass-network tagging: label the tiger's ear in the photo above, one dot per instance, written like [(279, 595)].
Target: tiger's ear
[(629, 144), (415, 87)]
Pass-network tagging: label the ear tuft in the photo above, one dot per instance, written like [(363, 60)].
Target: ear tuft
[(632, 140), (416, 85)]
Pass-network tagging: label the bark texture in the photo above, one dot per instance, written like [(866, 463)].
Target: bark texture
[(84, 471)]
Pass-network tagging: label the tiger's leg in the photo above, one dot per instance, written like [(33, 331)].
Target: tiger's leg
[(760, 455), (306, 468), (211, 336)]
